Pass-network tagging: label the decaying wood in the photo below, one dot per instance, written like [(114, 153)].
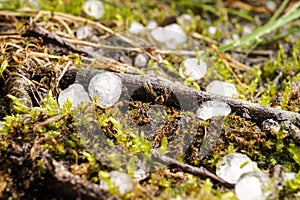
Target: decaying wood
[(71, 186), (55, 181)]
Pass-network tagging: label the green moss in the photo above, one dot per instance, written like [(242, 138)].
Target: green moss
[(293, 185), (265, 98)]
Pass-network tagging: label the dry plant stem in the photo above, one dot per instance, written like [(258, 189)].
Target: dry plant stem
[(236, 63), (198, 171), (70, 18), (204, 38), (34, 30), (228, 66)]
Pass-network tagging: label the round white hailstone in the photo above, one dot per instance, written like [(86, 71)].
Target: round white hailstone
[(31, 4), (212, 30), (170, 36), (185, 20), (271, 5), (140, 171), (107, 87), (247, 30), (136, 28), (254, 185), (233, 165), (75, 93), (159, 35), (176, 36), (94, 8), (193, 68), (140, 60), (152, 24), (222, 88), (226, 41), (235, 36), (121, 180), (210, 109), (288, 176), (84, 32)]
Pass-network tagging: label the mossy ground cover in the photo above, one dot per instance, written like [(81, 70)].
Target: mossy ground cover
[(265, 69)]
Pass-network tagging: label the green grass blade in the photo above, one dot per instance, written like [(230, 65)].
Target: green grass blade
[(279, 10), (3, 66), (293, 14)]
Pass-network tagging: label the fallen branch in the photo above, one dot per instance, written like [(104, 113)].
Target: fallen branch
[(198, 171), (141, 87)]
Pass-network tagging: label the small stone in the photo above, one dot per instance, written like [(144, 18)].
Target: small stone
[(107, 87), (94, 8), (233, 165), (121, 180), (254, 185), (75, 93), (193, 68), (222, 88), (136, 28), (210, 109)]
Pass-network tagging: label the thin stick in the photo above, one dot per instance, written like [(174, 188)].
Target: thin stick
[(48, 121), (198, 171)]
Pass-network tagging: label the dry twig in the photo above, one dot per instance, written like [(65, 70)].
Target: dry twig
[(198, 171)]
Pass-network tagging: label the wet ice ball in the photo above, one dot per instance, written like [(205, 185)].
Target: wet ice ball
[(107, 87), (75, 93)]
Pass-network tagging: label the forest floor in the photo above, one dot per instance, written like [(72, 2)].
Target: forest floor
[(150, 144)]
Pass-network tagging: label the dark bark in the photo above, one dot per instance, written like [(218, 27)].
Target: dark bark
[(70, 186)]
